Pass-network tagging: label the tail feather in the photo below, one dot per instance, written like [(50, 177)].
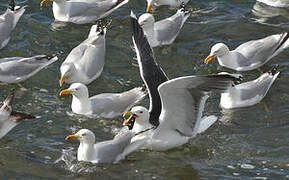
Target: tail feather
[(282, 41)]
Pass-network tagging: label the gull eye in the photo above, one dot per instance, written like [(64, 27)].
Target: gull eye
[(84, 134), (141, 112)]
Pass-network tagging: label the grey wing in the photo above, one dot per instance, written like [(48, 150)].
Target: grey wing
[(6, 126), (183, 100), (150, 72), (168, 29), (6, 26), (10, 59)]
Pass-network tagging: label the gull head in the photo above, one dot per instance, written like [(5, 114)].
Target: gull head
[(138, 116), (146, 20), (83, 135), (67, 71), (218, 50), (78, 90)]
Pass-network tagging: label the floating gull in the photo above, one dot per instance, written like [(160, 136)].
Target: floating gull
[(182, 100), (250, 55), (107, 105), (83, 11), (249, 93), (172, 3), (18, 69), (8, 22), (85, 62), (276, 3), (8, 118), (163, 32), (102, 152)]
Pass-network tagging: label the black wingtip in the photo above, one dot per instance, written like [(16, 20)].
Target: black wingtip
[(144, 88), (101, 26), (11, 5), (184, 9), (10, 97), (21, 116), (274, 70), (49, 57)]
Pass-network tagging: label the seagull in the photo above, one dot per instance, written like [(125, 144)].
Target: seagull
[(8, 118), (101, 152), (249, 93), (172, 3), (276, 3), (18, 69), (83, 11), (249, 55), (106, 105), (8, 22), (182, 102), (85, 62), (163, 32)]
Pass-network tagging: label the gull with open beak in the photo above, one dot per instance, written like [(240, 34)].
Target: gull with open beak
[(8, 118), (86, 61), (107, 105), (83, 11), (8, 22), (163, 32), (249, 55), (172, 3)]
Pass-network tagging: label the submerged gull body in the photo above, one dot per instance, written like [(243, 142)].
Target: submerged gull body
[(107, 105), (249, 93), (8, 22), (8, 118), (86, 61), (83, 11), (163, 32), (18, 69), (250, 55), (182, 102), (276, 3), (172, 3)]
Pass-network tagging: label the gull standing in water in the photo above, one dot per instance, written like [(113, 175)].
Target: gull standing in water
[(182, 102), (83, 11), (163, 32), (172, 3), (107, 105), (276, 3), (18, 69), (8, 118), (249, 93), (250, 55), (8, 22), (85, 62)]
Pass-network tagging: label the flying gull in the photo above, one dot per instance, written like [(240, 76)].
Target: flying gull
[(107, 105), (8, 118), (249, 93), (8, 22), (18, 69), (83, 11), (85, 62), (250, 55), (163, 32)]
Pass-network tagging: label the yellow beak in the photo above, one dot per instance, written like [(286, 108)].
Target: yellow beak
[(72, 136), (209, 58), (149, 8), (61, 81), (64, 92), (127, 113), (43, 2)]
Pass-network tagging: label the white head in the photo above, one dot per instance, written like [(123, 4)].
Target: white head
[(78, 90), (218, 50), (146, 20), (140, 115), (67, 72), (84, 136)]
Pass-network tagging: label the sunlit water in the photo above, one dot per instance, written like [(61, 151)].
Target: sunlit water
[(247, 143)]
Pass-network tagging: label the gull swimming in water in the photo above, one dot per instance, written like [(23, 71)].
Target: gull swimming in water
[(249, 93), (249, 55), (85, 62), (182, 102), (18, 69), (102, 152), (8, 118), (172, 3), (276, 3), (83, 11), (163, 32), (8, 22), (106, 105)]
